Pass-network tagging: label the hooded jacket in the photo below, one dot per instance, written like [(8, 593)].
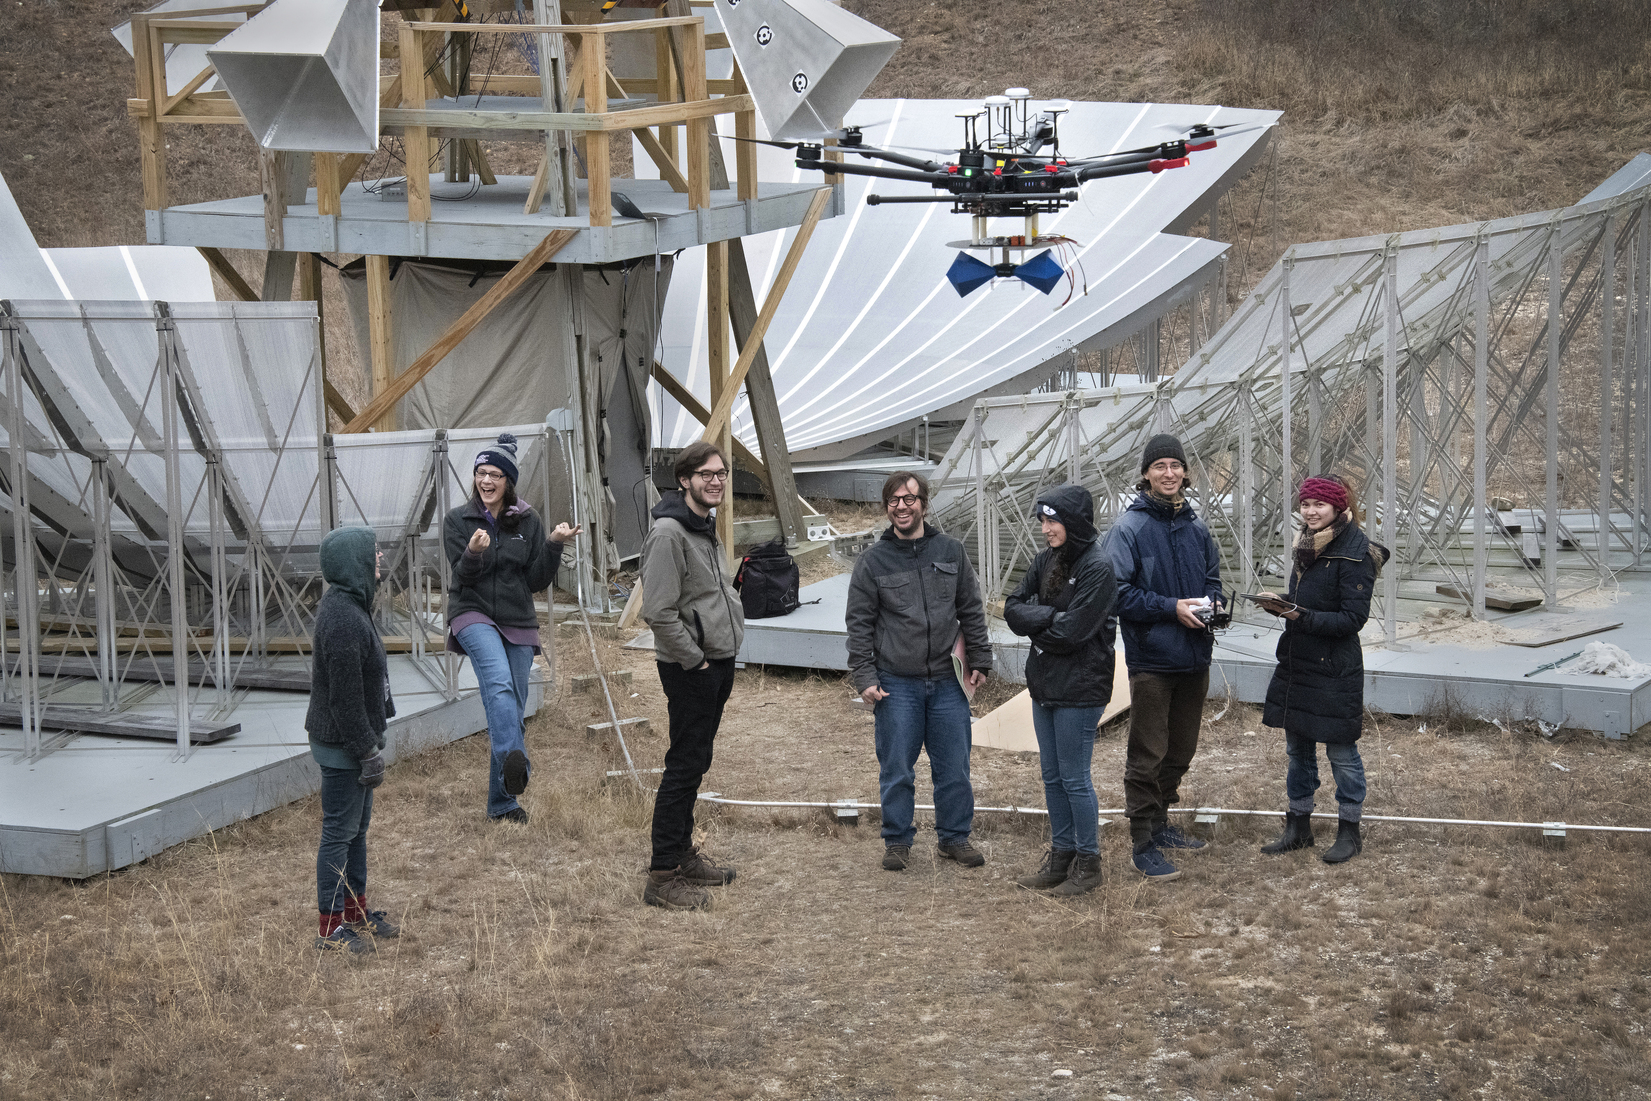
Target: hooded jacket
[(687, 596), (1161, 555), (1317, 691), (501, 580), (1071, 663), (907, 601), (349, 685)]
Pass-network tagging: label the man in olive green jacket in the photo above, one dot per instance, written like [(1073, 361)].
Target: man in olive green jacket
[(698, 625)]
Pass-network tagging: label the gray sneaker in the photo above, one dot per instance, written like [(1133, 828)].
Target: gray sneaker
[(670, 890), (964, 853), (896, 857)]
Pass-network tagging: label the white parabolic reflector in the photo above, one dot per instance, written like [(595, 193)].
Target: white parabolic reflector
[(304, 74), (805, 61), (871, 336)]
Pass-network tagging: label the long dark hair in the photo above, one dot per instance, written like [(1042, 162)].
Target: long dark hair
[(507, 522)]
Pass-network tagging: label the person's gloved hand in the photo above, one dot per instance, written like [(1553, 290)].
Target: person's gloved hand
[(372, 771)]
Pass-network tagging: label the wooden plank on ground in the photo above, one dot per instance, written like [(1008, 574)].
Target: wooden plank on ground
[(1009, 726), (1553, 628), (1501, 604)]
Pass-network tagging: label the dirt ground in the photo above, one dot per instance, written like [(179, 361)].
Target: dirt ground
[(1444, 962)]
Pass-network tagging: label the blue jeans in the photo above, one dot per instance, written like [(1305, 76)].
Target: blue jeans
[(1066, 743), (501, 674), (922, 713), (1303, 778), (341, 861)]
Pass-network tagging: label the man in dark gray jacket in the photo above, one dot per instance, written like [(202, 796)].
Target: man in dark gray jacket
[(698, 625), (913, 592)]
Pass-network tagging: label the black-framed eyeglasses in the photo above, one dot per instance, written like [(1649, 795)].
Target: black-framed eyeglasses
[(489, 476), (908, 500), (712, 475)]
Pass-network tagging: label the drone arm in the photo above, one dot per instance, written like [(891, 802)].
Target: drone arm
[(1106, 171), (898, 158), (831, 168)]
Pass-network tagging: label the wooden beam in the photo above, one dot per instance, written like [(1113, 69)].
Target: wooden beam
[(380, 335), (553, 243), (663, 160), (597, 169), (327, 187), (151, 137), (696, 409), (278, 272), (415, 140), (764, 401), (745, 153), (725, 402), (221, 266), (722, 386)]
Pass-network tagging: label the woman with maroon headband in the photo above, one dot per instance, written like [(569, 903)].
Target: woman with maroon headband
[(1317, 692)]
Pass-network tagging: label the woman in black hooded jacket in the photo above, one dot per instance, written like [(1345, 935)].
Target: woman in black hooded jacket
[(1065, 606), (1317, 691)]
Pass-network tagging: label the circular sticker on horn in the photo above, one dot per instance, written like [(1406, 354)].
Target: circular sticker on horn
[(799, 83), (765, 35)]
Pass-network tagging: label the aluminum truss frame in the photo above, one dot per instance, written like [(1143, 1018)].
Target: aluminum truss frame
[(1433, 369)]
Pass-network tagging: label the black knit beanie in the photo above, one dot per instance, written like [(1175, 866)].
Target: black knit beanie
[(1162, 446), (502, 455)]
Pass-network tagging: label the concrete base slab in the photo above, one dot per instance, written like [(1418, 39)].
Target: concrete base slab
[(89, 804)]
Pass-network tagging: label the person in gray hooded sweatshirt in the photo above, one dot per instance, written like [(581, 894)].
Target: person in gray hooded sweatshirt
[(689, 601), (1065, 606), (349, 707)]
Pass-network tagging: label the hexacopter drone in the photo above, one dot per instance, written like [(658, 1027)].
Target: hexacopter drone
[(1016, 169)]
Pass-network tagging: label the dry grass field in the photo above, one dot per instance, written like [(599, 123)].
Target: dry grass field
[(1443, 963)]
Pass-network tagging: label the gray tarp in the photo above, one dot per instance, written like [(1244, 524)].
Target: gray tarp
[(514, 369)]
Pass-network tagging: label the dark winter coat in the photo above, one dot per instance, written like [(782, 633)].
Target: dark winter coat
[(1161, 555), (1071, 663), (349, 686), (501, 580), (1317, 692), (907, 601)]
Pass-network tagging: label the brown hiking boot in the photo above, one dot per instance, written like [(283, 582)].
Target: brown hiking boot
[(964, 853), (1084, 876), (671, 891), (1051, 873), (896, 857), (697, 869)]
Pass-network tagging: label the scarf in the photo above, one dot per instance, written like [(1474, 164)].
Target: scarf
[(1174, 503), (1310, 544)]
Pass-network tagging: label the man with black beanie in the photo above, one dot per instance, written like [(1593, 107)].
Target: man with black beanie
[(1167, 566)]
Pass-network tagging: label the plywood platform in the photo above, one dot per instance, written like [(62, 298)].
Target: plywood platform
[(472, 221), (90, 804)]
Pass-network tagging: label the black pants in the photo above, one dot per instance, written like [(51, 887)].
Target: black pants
[(694, 699), (1165, 711)]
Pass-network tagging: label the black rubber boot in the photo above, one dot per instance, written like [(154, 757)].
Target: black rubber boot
[(1084, 876), (1052, 873), (1298, 834), (1348, 843)]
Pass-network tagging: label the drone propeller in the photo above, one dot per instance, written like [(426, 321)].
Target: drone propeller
[(775, 144), (847, 136), (1208, 130)]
